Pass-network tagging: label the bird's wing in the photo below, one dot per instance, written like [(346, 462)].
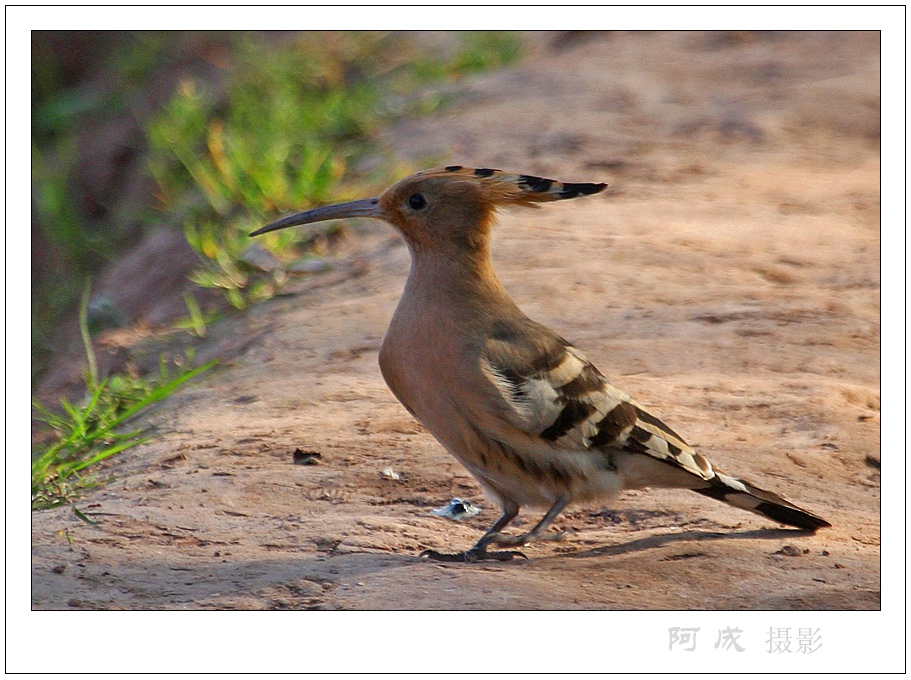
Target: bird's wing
[(553, 392)]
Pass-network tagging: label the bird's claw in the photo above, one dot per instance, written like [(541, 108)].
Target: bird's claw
[(504, 540), (473, 556)]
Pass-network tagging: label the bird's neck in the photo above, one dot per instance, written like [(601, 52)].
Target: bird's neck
[(457, 278)]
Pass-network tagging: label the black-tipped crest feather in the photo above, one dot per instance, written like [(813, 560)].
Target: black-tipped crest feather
[(504, 188)]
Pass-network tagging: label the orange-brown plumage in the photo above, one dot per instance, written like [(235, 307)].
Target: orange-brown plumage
[(521, 408)]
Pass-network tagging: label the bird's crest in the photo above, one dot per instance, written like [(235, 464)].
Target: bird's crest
[(503, 188)]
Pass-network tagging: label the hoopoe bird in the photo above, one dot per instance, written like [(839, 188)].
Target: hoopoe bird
[(521, 408)]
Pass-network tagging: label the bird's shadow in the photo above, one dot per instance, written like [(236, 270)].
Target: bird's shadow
[(660, 540)]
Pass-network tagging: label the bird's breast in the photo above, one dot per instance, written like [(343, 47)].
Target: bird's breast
[(416, 356)]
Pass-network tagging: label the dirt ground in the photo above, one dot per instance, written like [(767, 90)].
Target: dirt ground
[(728, 279)]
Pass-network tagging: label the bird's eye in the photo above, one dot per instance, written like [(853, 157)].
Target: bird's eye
[(417, 201)]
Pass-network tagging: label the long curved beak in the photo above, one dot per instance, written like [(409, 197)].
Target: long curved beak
[(366, 207)]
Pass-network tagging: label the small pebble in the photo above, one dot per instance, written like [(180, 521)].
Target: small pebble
[(789, 551), (457, 509), (389, 473), (305, 457)]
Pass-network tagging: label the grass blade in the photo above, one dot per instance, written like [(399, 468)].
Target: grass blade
[(87, 433), (85, 518)]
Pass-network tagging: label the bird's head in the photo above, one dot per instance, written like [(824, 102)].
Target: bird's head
[(452, 206)]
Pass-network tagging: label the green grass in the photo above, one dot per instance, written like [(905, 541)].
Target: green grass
[(71, 239), (290, 121), (291, 130), (290, 124), (89, 433)]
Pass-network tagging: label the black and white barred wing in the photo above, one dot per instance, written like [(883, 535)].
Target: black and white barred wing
[(555, 393), (559, 395)]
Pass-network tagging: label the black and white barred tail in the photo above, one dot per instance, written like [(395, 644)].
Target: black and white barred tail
[(744, 495)]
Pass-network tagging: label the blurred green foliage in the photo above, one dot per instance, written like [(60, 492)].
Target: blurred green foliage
[(82, 81), (288, 131), (254, 125), (290, 119), (234, 128)]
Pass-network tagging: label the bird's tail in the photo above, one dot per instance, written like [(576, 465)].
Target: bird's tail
[(744, 495)]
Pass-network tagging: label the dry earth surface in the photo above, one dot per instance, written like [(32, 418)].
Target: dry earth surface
[(728, 279)]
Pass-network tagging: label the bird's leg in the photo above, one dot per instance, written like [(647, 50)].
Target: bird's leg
[(478, 552), (536, 534)]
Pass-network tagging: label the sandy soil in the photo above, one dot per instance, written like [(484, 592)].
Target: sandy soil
[(729, 278)]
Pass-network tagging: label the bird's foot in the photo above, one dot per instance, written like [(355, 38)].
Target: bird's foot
[(473, 556), (525, 539)]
